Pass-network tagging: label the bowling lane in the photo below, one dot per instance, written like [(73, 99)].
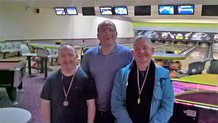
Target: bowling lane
[(197, 55), (177, 48), (215, 51), (158, 46)]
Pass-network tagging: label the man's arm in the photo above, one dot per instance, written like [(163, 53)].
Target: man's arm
[(84, 64), (167, 103), (91, 110), (45, 111), (117, 102)]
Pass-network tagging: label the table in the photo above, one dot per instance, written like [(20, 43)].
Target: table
[(14, 115), (11, 74), (29, 55), (200, 90)]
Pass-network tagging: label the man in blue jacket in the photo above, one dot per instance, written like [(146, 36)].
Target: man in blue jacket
[(142, 91)]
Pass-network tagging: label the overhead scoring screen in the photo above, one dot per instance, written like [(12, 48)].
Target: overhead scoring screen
[(166, 9), (106, 10), (59, 11), (120, 10), (71, 11), (185, 9)]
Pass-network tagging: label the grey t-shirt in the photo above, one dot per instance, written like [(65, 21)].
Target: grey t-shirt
[(82, 89)]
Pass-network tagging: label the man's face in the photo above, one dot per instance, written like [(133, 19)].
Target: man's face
[(67, 57), (142, 52), (107, 34)]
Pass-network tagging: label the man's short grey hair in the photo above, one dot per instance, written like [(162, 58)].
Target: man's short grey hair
[(142, 37)]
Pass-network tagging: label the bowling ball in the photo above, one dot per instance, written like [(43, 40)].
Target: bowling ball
[(194, 70)]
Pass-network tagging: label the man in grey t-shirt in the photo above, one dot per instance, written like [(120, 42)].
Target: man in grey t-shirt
[(68, 95)]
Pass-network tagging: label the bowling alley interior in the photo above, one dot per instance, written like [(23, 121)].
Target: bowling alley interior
[(182, 32)]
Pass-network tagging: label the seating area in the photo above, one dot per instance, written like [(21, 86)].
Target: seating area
[(53, 54), (213, 68), (45, 54), (10, 47), (30, 53), (40, 55)]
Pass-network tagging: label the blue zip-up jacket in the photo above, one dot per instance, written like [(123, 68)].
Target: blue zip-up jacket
[(162, 100)]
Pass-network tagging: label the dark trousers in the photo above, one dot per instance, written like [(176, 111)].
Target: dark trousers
[(104, 117)]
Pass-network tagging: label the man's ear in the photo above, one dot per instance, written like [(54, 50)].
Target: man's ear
[(132, 51), (116, 34), (58, 59)]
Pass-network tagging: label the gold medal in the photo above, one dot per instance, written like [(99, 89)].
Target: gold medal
[(65, 103), (139, 100), (140, 89)]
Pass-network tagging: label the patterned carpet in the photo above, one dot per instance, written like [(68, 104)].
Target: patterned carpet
[(28, 99)]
